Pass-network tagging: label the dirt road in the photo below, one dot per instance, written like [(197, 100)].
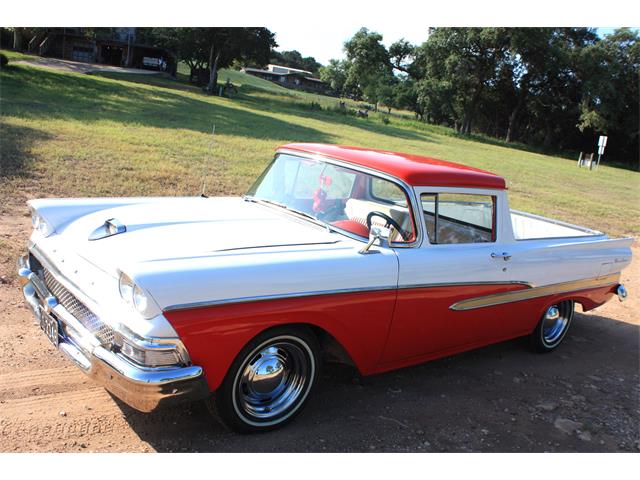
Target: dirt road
[(81, 67), (584, 397)]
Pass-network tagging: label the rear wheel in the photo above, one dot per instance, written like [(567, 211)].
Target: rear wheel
[(553, 326), (269, 381)]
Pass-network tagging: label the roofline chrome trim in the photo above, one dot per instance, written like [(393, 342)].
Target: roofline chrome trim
[(408, 190), (282, 296), (535, 292)]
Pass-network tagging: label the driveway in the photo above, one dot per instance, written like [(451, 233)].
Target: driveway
[(81, 67)]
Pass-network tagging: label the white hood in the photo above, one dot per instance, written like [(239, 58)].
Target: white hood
[(183, 228), (186, 251)]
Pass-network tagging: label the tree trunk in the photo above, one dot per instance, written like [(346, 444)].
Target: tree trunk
[(548, 137), (470, 111), (515, 114), (214, 58), (192, 71), (17, 39)]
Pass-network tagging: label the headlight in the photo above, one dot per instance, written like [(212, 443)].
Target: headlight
[(133, 294), (126, 287), (140, 300), (40, 224)]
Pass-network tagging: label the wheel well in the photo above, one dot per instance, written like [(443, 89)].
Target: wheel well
[(331, 350)]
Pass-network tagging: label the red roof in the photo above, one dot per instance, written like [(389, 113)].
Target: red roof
[(412, 169)]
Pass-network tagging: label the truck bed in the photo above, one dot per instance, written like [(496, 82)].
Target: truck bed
[(527, 226)]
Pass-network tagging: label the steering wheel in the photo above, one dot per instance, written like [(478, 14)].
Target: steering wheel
[(390, 221)]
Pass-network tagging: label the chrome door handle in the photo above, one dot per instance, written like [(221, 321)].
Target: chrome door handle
[(504, 255)]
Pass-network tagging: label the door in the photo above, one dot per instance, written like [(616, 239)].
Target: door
[(461, 257)]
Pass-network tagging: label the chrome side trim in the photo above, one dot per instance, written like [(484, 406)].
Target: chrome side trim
[(281, 296), (277, 296), (463, 284), (535, 292)]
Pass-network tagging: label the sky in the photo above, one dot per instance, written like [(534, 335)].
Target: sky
[(328, 44)]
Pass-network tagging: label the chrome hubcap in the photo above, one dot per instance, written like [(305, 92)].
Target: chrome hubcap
[(555, 323), (273, 380)]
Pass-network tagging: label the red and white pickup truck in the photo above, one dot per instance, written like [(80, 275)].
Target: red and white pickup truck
[(376, 258)]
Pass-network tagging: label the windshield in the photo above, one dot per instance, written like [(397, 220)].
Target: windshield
[(340, 197)]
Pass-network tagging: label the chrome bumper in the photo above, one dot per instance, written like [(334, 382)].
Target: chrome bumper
[(144, 389)]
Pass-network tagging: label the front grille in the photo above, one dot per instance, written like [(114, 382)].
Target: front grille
[(75, 307)]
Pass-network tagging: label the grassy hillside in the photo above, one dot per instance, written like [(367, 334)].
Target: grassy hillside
[(68, 134)]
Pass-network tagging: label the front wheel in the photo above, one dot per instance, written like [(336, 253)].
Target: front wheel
[(553, 326), (269, 381)]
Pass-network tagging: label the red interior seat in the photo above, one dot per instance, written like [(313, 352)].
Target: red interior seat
[(353, 226)]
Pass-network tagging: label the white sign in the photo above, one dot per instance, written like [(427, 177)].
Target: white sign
[(602, 141)]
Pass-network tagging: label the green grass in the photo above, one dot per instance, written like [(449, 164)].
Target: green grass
[(15, 56), (65, 134)]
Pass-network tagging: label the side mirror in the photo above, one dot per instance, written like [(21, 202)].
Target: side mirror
[(381, 234)]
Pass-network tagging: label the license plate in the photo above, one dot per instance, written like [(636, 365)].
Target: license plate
[(49, 326)]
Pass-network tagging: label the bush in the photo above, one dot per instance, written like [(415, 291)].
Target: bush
[(342, 110), (3, 60)]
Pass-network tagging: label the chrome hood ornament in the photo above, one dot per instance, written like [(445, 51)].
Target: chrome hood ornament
[(110, 227)]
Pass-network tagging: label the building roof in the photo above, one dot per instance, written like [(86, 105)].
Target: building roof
[(414, 170), (258, 70), (271, 66)]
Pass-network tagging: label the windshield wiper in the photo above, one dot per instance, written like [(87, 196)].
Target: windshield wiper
[(249, 198)]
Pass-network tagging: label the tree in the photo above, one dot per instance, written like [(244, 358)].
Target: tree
[(367, 65), (556, 88), (188, 44), (217, 47), (610, 101), (228, 44), (406, 96), (527, 63), (335, 74), (401, 54), (457, 65)]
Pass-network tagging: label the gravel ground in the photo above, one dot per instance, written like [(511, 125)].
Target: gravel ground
[(584, 397)]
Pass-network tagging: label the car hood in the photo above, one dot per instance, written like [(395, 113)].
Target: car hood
[(187, 228)]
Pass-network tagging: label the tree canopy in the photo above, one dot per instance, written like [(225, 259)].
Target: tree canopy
[(216, 47), (553, 88)]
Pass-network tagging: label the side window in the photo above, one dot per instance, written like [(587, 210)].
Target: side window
[(387, 192), (459, 218)]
